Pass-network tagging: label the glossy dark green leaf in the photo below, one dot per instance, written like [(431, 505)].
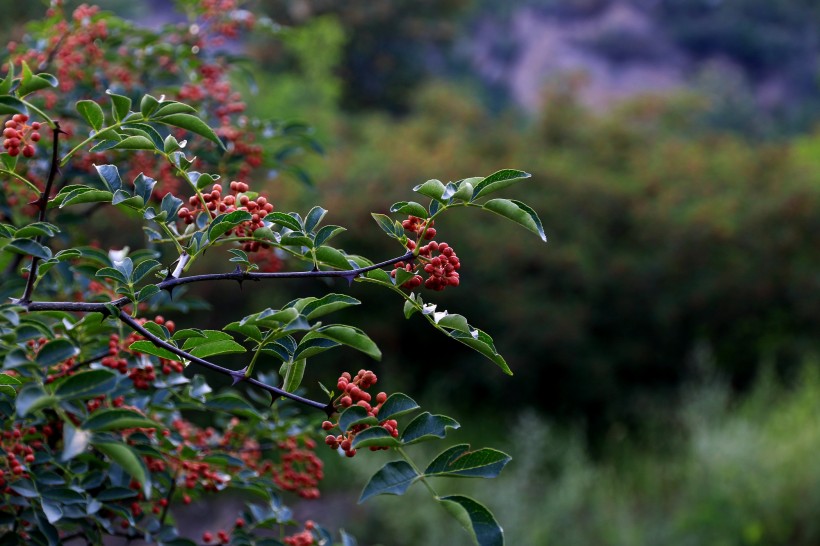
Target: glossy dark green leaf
[(326, 233), (29, 83), (458, 461), (92, 113), (427, 427), (475, 518), (135, 142), (75, 441), (215, 342), (314, 218), (518, 212), (355, 415), (37, 229), (283, 219), (31, 398), (348, 335), (332, 257), (483, 343), (84, 385), (313, 347), (498, 181), (375, 436), (431, 188), (84, 195), (388, 225), (148, 105), (56, 351), (167, 108), (125, 456), (397, 404), (120, 105), (146, 347), (294, 373), (116, 493), (29, 247), (225, 222), (52, 510), (410, 207), (394, 478), (328, 304), (12, 105), (110, 176), (117, 419), (189, 123)]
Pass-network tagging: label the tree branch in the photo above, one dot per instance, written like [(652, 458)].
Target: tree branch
[(236, 375), (237, 275), (42, 204)]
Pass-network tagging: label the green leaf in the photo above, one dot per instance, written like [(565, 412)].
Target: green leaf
[(86, 384), (498, 181), (52, 510), (116, 493), (431, 188), (214, 343), (169, 107), (294, 373), (5, 85), (31, 398), (110, 176), (29, 247), (12, 105), (231, 403), (465, 189), (117, 419), (380, 276), (355, 415), (92, 113), (124, 199), (394, 478), (135, 142), (6, 379), (148, 106), (313, 347), (519, 213), (328, 304), (475, 518), (37, 229), (375, 437), (313, 218), (426, 427), (146, 347), (326, 233), (125, 456), (189, 123), (29, 83), (284, 220), (397, 404), (111, 273), (482, 343), (388, 225), (458, 461), (120, 105), (75, 441), (143, 268), (84, 195), (410, 207), (348, 335), (56, 351), (332, 257), (225, 222)]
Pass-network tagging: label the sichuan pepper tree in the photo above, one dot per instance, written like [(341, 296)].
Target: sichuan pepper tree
[(100, 393)]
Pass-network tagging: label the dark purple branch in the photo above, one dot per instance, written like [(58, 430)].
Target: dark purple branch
[(42, 204), (238, 275), (236, 375)]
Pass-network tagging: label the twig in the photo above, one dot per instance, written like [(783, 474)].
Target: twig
[(42, 204), (236, 375)]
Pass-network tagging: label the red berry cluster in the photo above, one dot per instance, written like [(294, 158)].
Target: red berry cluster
[(216, 203), (353, 392), (422, 228), (304, 537), (442, 267), (18, 133), (299, 469), (142, 376)]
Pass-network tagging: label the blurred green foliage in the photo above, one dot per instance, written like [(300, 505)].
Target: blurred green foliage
[(741, 472)]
